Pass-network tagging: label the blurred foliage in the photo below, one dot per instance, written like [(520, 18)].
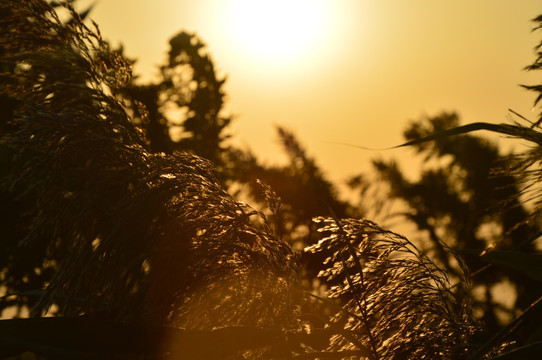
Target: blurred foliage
[(115, 211), (464, 202), (182, 111)]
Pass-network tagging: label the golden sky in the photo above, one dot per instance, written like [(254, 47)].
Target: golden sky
[(350, 71)]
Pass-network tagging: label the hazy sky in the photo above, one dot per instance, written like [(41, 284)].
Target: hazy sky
[(350, 71)]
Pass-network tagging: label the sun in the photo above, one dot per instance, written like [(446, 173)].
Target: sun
[(278, 30)]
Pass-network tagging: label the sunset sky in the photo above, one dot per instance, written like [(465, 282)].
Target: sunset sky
[(348, 71)]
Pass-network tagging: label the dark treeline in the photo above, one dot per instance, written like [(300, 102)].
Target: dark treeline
[(120, 216)]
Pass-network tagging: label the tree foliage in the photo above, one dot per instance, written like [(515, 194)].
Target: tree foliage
[(182, 110), (469, 204)]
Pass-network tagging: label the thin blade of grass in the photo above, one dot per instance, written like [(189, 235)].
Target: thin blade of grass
[(497, 339), (512, 130), (531, 351)]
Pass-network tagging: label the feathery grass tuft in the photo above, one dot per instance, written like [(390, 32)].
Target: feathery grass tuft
[(399, 304), (136, 236)]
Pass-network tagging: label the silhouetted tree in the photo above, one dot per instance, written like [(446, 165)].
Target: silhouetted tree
[(536, 65), (463, 201), (183, 109)]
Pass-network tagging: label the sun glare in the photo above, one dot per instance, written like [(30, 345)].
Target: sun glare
[(277, 30)]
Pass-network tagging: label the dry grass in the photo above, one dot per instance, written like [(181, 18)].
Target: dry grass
[(399, 304), (137, 236)]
